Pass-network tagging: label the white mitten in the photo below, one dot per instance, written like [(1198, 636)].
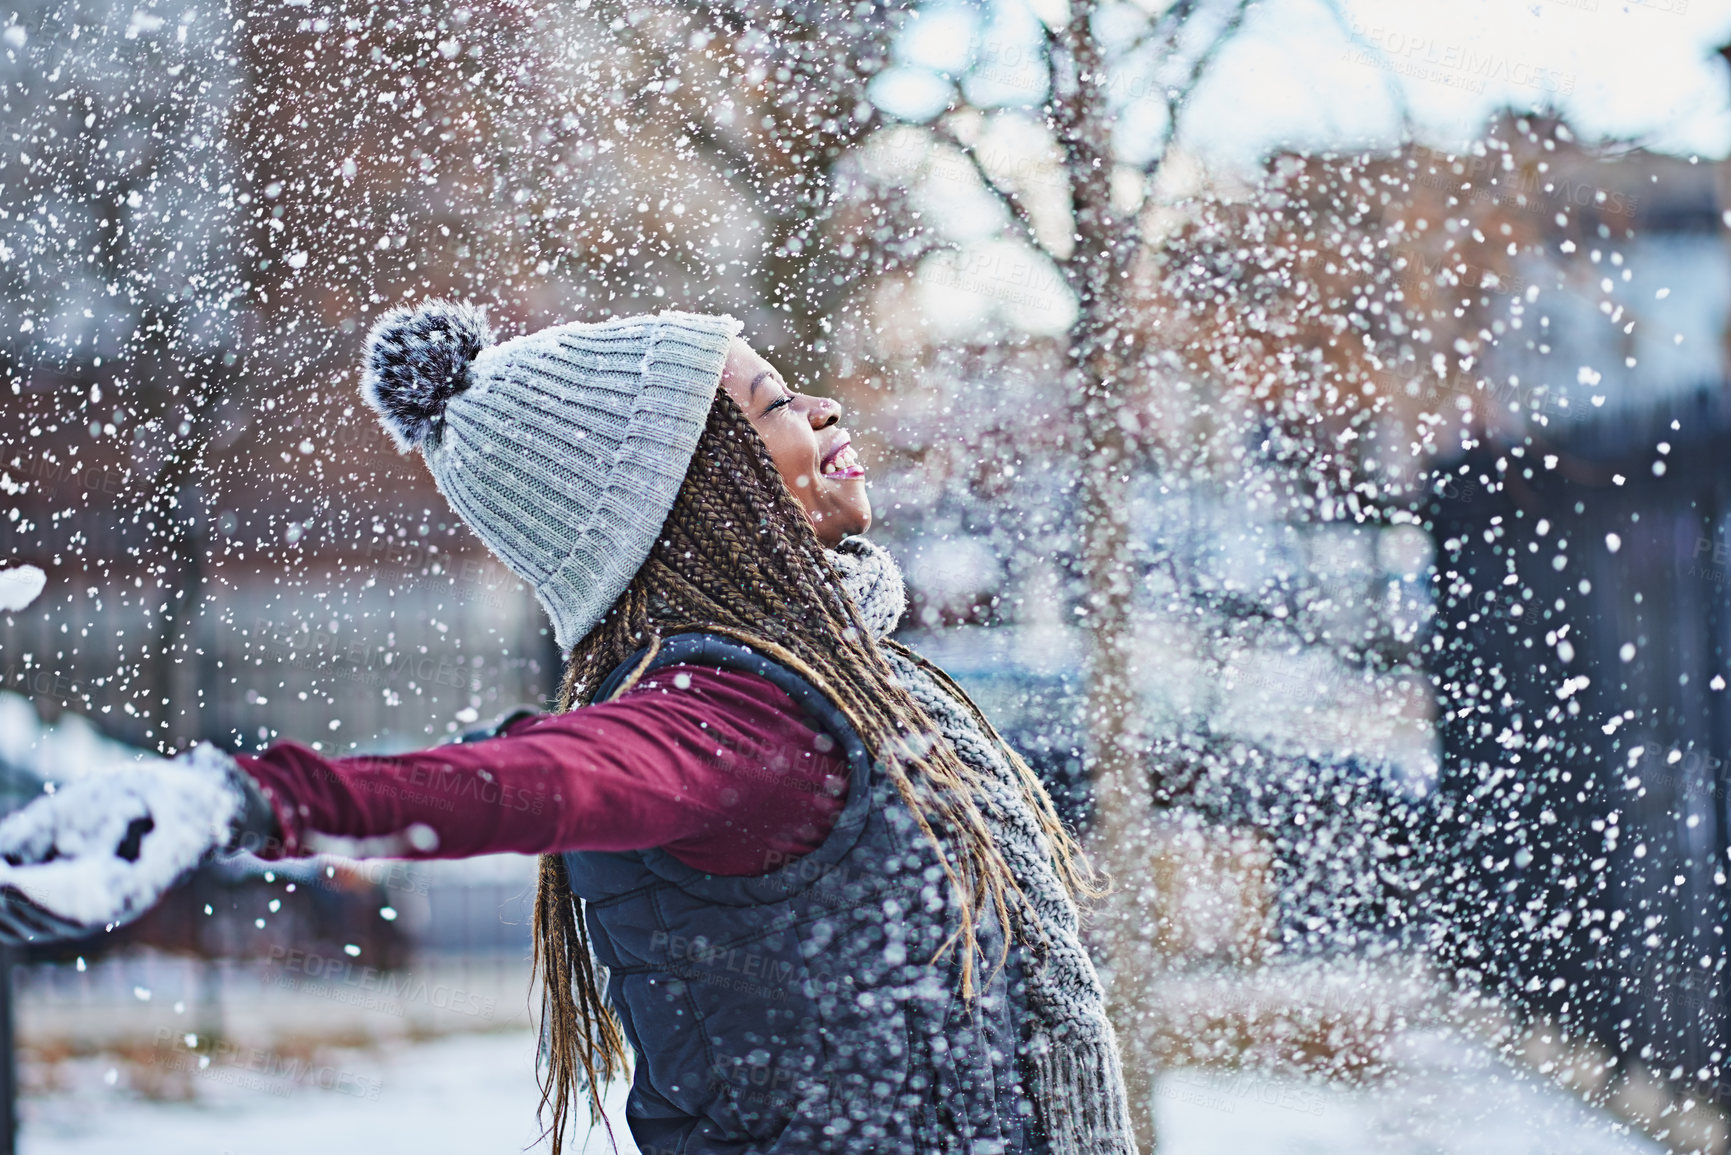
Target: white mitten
[(101, 849)]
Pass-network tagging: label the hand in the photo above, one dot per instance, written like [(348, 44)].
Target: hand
[(100, 850)]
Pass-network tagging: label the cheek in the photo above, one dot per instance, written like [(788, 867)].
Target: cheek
[(793, 460), (796, 469)]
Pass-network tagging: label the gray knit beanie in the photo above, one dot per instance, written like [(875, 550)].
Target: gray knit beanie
[(564, 449)]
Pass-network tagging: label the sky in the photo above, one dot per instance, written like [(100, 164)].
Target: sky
[(1640, 70)]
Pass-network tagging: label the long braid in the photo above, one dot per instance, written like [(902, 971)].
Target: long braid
[(738, 557)]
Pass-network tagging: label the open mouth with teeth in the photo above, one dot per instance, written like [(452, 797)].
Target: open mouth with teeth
[(842, 463)]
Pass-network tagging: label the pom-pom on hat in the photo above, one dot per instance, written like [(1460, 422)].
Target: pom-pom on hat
[(563, 449), (417, 359)]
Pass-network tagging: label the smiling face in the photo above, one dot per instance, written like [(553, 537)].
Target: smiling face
[(805, 439)]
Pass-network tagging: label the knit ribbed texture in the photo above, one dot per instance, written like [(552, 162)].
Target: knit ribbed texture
[(1072, 1069), (568, 447)]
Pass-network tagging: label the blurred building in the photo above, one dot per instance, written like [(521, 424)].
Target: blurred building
[(1581, 645)]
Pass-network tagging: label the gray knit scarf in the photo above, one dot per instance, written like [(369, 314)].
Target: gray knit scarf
[(1072, 1071)]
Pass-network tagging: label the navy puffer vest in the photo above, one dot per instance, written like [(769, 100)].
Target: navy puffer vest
[(799, 1010)]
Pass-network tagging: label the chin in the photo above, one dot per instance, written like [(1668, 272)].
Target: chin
[(844, 514), (857, 521), (832, 529)]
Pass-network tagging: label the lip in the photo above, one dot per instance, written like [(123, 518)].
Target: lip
[(840, 474)]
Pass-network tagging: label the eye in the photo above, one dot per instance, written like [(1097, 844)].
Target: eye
[(778, 403)]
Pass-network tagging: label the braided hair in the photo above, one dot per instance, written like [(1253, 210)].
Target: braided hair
[(738, 557)]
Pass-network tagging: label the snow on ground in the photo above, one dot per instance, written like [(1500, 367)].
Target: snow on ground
[(1445, 1098), (464, 1094), (475, 1095)]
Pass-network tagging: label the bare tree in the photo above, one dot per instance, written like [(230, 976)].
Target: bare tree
[(1099, 249), (729, 133)]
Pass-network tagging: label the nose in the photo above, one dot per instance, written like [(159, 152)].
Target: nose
[(824, 412)]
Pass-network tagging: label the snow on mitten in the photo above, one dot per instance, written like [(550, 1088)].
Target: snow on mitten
[(101, 849)]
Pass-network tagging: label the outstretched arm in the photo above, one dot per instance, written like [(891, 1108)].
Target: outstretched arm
[(716, 766)]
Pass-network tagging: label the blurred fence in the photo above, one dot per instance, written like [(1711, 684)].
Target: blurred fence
[(272, 962), (395, 658), (254, 973)]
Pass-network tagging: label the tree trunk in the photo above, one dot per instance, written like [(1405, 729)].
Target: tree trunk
[(1106, 242), (178, 710), (1117, 746)]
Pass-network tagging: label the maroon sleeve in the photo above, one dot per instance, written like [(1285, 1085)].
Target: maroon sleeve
[(717, 766)]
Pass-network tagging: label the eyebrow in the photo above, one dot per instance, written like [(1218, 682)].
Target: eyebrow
[(757, 380)]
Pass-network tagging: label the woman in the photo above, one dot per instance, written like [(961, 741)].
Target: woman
[(786, 862)]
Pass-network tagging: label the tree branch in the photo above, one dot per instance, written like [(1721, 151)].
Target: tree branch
[(1202, 62), (1165, 27), (1396, 92), (1006, 196), (1176, 99)]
